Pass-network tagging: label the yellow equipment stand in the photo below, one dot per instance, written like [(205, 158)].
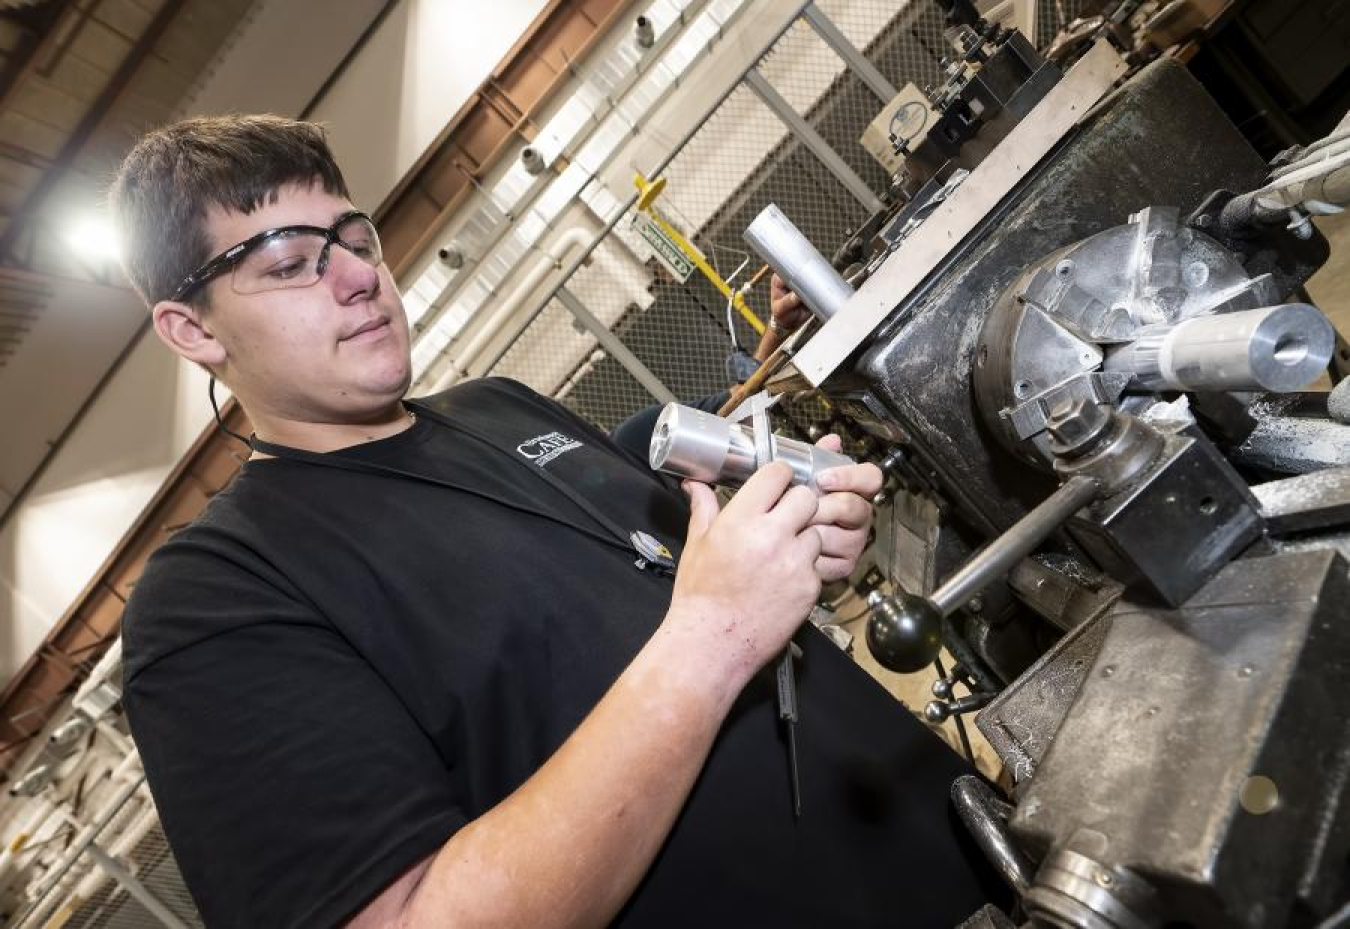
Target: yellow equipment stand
[(648, 191)]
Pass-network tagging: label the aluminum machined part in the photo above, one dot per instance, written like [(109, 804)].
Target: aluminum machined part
[(1279, 348), (690, 443), (805, 271), (1133, 306)]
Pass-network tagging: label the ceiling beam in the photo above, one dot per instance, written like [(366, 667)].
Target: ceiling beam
[(38, 25), (75, 142)]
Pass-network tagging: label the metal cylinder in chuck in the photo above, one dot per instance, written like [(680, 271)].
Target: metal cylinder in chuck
[(805, 271), (1279, 348), (691, 443)]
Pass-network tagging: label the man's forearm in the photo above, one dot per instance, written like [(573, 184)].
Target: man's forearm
[(571, 844)]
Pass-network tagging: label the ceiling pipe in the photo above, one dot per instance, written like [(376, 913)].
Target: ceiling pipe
[(573, 238)]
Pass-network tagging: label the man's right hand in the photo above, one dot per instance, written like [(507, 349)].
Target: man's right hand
[(746, 579)]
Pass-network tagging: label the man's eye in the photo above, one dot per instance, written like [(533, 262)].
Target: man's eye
[(285, 270), (363, 249)]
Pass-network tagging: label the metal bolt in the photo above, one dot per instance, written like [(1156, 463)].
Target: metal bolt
[(1075, 424)]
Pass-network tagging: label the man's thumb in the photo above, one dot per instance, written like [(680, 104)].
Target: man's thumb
[(703, 508)]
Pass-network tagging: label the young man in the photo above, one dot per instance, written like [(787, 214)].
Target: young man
[(404, 671)]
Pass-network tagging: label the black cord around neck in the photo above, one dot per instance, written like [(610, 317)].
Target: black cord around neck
[(220, 423)]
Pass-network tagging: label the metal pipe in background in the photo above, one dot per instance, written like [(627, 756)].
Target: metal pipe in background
[(805, 271), (1277, 348)]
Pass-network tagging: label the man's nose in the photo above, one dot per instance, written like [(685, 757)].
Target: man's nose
[(350, 277)]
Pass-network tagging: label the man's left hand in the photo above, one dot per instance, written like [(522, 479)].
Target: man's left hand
[(843, 513)]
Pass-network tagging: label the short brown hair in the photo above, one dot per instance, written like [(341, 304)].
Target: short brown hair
[(174, 175)]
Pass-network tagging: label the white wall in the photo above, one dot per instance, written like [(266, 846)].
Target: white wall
[(414, 74), (421, 65)]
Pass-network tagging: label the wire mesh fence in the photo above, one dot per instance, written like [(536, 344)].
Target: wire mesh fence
[(744, 157)]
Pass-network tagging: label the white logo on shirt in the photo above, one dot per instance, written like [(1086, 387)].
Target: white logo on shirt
[(544, 448)]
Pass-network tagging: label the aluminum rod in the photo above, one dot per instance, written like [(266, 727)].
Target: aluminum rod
[(808, 136), (132, 885), (806, 271), (620, 352), (857, 62), (999, 557)]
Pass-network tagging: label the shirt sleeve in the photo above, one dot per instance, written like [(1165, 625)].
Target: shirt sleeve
[(292, 784)]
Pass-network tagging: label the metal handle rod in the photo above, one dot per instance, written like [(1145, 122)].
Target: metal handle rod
[(984, 814), (999, 556)]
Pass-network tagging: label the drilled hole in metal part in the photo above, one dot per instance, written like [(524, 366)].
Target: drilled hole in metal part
[(1208, 506), (1290, 349), (1259, 795), (1021, 389)]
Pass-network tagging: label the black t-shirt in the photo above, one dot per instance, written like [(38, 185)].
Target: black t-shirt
[(330, 672)]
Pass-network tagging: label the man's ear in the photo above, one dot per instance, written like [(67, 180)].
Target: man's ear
[(180, 327)]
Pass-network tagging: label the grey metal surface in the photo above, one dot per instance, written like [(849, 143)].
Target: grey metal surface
[(1338, 402), (1291, 437), (1062, 589), (1074, 890), (806, 271), (1182, 709), (1022, 721), (1320, 500), (1092, 319), (808, 136)]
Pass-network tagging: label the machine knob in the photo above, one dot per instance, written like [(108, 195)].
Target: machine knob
[(904, 632)]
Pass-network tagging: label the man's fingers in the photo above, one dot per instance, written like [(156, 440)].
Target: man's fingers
[(865, 480), (763, 490), (797, 508), (829, 568), (847, 511), (810, 544), (830, 442), (703, 508), (845, 544)]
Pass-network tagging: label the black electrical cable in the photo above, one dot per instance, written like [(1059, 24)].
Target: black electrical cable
[(220, 423)]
